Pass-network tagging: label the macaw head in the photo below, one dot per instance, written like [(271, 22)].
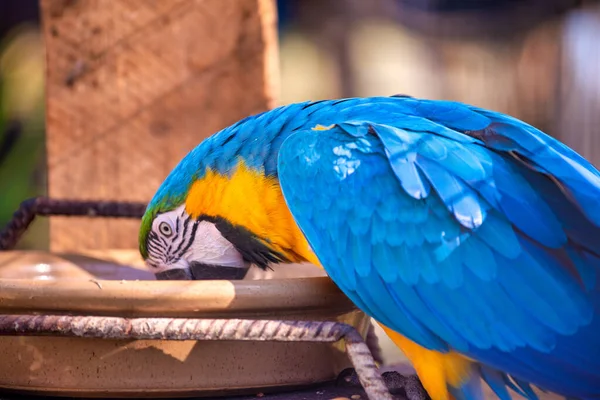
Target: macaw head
[(216, 214), (179, 246)]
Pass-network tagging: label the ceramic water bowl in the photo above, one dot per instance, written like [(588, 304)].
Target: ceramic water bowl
[(116, 284)]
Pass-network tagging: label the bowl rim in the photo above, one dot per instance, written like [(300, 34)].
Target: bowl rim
[(212, 298)]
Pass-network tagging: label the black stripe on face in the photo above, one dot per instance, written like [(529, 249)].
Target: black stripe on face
[(154, 242), (152, 249), (189, 243), (186, 223), (177, 225), (155, 249), (250, 246), (151, 263)]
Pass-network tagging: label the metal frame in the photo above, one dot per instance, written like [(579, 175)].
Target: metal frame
[(174, 328), (206, 329), (29, 209)]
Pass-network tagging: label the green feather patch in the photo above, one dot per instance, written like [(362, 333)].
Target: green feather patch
[(154, 208)]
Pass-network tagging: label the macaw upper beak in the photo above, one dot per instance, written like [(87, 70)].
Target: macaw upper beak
[(198, 271)]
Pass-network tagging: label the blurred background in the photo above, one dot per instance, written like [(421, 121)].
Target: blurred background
[(538, 60)]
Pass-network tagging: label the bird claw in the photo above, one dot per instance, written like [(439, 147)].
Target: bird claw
[(408, 386)]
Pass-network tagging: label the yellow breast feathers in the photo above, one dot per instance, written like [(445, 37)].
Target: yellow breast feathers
[(250, 199)]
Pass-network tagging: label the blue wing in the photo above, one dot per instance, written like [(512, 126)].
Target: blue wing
[(460, 228)]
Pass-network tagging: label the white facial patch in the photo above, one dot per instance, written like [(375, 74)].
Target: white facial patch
[(210, 247), (177, 240)]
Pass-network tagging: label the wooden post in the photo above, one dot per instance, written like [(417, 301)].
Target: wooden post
[(133, 85)]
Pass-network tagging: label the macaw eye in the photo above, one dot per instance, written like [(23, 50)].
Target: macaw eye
[(165, 229)]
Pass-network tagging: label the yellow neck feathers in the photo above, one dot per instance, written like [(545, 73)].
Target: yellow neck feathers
[(250, 199)]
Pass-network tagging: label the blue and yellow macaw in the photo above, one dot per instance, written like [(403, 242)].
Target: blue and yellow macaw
[(471, 236)]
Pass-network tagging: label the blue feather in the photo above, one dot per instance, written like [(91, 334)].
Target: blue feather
[(469, 390), (496, 382), (499, 267), (459, 227)]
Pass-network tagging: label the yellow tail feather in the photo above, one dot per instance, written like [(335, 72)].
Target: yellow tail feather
[(435, 370)]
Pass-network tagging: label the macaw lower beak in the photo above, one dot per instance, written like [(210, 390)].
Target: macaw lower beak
[(198, 271), (202, 271), (177, 274)]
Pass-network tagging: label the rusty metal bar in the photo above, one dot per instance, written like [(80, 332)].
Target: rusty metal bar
[(29, 209), (205, 329), (373, 344)]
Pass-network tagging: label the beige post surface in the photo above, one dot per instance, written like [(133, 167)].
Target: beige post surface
[(133, 85)]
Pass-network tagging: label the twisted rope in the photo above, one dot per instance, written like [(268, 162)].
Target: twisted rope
[(205, 329), (29, 209)]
